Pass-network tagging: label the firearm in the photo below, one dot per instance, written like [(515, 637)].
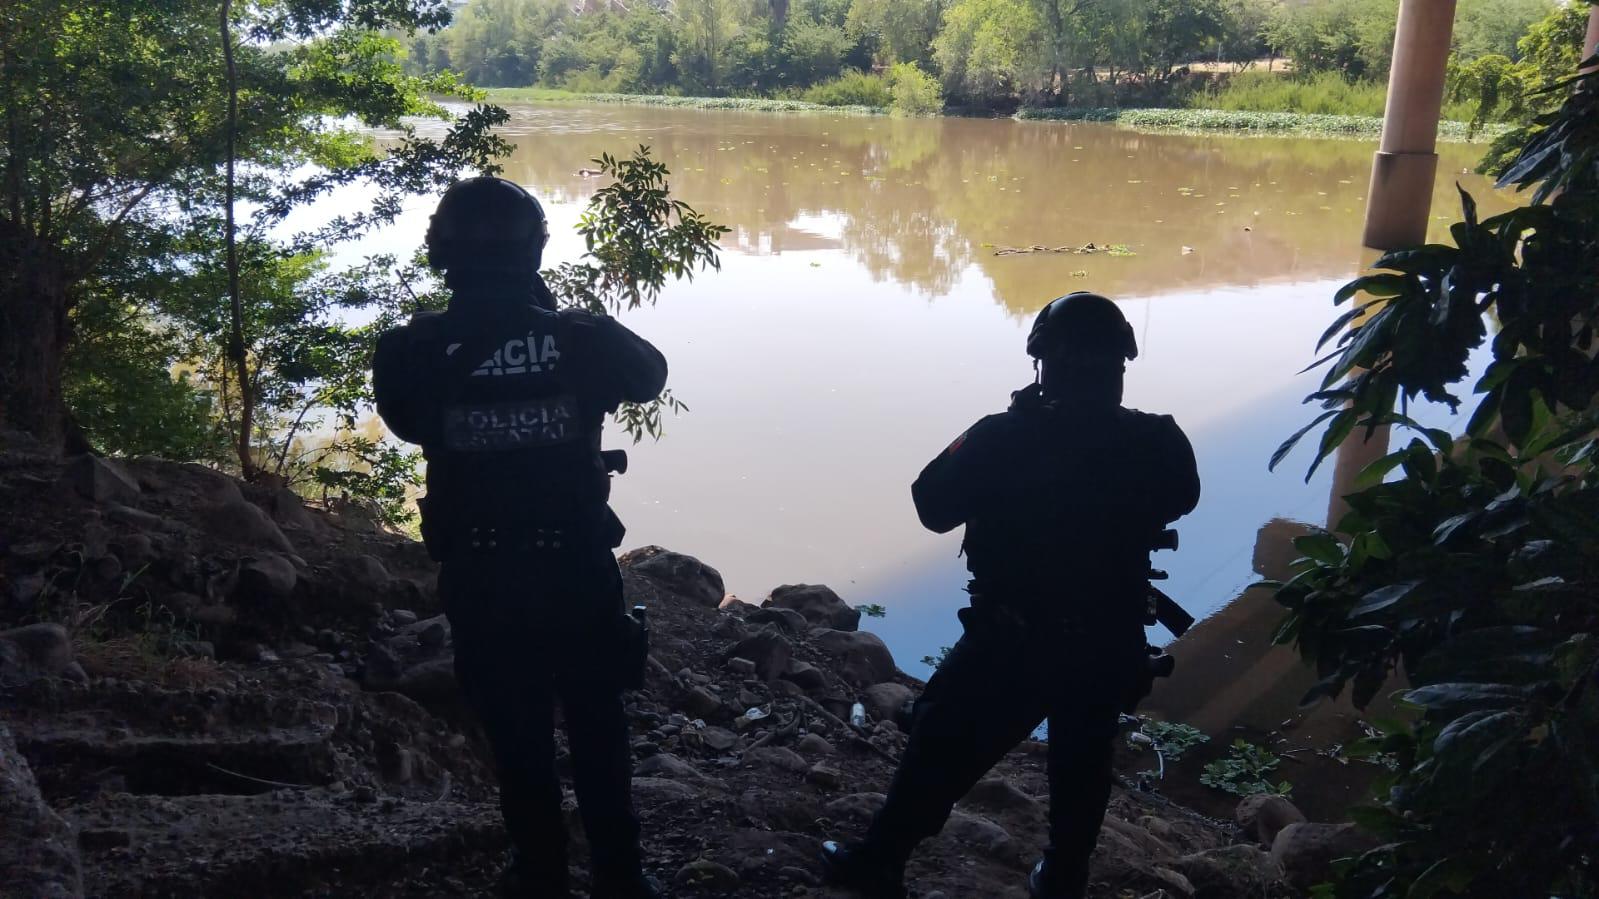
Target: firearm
[(1163, 608)]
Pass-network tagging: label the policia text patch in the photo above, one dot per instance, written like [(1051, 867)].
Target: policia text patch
[(510, 426)]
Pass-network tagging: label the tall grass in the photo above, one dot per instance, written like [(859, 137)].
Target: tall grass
[(1244, 123), (852, 88), (548, 95), (1323, 93)]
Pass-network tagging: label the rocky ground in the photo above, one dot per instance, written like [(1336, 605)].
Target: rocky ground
[(207, 688)]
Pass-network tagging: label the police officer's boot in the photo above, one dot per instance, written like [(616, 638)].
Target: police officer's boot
[(869, 872), (525, 878), (1050, 879)]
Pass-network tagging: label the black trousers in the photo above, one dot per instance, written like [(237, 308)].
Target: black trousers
[(531, 630), (989, 694)]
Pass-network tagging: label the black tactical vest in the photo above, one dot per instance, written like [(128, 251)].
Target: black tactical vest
[(1066, 533), (518, 444)]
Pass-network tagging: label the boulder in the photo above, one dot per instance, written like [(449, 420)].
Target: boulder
[(733, 604), (1306, 850), (237, 519), (289, 510), (1000, 795), (776, 757), (652, 791), (429, 680), (704, 874), (787, 619), (887, 701), (825, 776), (700, 703), (679, 574), (814, 744), (368, 572), (268, 576), (1264, 815), (100, 480), (34, 650), (1240, 870), (983, 835), (820, 606), (39, 855), (769, 650), (805, 676), (863, 658), (669, 767), (856, 807)]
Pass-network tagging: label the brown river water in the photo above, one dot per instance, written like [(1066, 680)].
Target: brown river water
[(865, 315)]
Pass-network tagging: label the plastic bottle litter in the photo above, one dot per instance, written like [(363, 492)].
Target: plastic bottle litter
[(857, 715)]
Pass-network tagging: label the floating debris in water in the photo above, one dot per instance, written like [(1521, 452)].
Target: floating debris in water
[(1087, 249)]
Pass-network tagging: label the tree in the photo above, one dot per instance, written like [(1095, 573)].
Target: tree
[(903, 30), (708, 29), (1476, 570), (116, 131)]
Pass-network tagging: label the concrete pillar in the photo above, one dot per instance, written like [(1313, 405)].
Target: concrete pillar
[(1591, 45), (1400, 197)]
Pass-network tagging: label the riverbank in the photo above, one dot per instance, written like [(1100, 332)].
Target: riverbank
[(1151, 120), (192, 667)]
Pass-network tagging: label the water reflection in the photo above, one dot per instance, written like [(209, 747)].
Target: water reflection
[(918, 201), (862, 319)]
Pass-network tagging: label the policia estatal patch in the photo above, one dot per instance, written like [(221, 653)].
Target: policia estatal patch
[(521, 424)]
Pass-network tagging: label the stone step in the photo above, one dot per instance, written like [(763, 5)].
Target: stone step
[(283, 843)]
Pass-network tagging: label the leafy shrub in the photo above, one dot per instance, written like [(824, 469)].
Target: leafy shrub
[(1173, 739), (1477, 568), (1243, 772), (1241, 123), (1325, 93), (873, 610), (853, 88), (934, 661), (915, 93)]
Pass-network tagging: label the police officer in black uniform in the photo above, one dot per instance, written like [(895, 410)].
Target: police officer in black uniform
[(1062, 497), (507, 396)]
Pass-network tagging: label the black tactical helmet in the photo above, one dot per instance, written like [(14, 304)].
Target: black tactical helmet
[(487, 224), (1081, 324)]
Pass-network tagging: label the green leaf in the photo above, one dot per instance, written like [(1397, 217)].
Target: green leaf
[(1322, 547), (1382, 598)]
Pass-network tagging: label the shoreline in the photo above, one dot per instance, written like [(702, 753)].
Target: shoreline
[(1224, 122)]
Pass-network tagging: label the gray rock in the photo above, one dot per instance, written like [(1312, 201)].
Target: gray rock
[(701, 703), (887, 701), (733, 604), (741, 666), (824, 775), (814, 744), (769, 650), (982, 834), (368, 572), (138, 518), (34, 650), (402, 617), (787, 619), (433, 679), (820, 605), (856, 806), (99, 480), (39, 855), (1306, 851), (268, 576), (680, 574), (670, 767), (1240, 870), (237, 519), (718, 739), (1264, 815), (805, 675), (648, 791), (705, 874), (1000, 795), (863, 658), (776, 757)]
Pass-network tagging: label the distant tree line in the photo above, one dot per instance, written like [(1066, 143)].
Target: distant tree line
[(993, 53)]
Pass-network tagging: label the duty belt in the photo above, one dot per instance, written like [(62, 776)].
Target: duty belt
[(523, 539)]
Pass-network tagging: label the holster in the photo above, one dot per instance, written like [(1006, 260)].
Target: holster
[(635, 653)]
